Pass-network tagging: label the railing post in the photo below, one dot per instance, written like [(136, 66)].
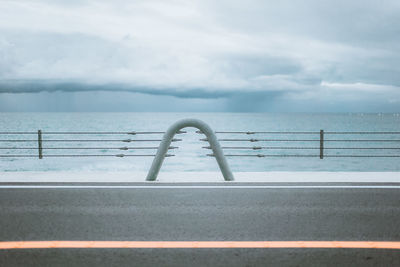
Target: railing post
[(321, 144), (40, 144)]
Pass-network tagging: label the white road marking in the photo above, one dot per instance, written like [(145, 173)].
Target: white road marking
[(200, 187)]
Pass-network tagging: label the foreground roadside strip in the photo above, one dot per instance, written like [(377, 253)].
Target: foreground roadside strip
[(10, 245)]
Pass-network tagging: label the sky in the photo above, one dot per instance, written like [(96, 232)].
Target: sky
[(205, 55)]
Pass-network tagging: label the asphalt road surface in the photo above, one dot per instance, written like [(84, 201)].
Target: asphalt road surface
[(248, 212)]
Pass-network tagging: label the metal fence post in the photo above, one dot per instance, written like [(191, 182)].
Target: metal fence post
[(40, 144), (166, 142), (321, 144)]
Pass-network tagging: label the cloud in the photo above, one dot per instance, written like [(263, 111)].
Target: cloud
[(292, 50), (34, 86), (361, 87)]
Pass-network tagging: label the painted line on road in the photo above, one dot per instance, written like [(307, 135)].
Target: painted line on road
[(200, 187), (199, 244)]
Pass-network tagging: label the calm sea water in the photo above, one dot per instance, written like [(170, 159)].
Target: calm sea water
[(191, 156)]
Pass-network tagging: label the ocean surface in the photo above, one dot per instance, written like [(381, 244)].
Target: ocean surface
[(191, 156)]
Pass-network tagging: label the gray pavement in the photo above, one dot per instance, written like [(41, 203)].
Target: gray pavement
[(213, 214)]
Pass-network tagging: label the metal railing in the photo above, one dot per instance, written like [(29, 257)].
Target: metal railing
[(162, 150), (312, 138), (290, 145), (98, 144), (322, 147)]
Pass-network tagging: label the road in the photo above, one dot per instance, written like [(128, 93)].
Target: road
[(194, 212)]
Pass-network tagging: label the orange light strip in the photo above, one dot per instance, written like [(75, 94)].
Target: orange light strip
[(198, 244)]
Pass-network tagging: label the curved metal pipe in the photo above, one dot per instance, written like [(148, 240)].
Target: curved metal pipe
[(169, 135)]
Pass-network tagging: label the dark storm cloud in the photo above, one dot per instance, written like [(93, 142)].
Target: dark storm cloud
[(15, 86)]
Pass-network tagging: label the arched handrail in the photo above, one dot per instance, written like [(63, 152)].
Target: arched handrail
[(169, 135)]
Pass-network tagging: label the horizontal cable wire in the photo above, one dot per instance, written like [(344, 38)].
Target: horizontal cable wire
[(80, 155), (92, 140), (248, 132), (361, 156), (308, 156), (362, 132), (361, 140), (361, 148), (294, 132), (302, 140), (259, 140), (220, 132), (263, 155), (77, 148), (130, 133), (280, 147)]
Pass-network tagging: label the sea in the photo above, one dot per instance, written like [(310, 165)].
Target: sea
[(281, 151)]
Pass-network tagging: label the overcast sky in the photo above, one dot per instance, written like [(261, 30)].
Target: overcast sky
[(287, 55)]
